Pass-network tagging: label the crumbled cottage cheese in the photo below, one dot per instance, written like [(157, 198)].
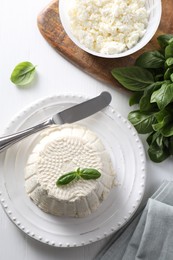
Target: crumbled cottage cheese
[(108, 26)]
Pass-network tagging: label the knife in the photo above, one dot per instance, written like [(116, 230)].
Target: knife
[(69, 115)]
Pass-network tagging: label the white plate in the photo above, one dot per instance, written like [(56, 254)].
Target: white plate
[(128, 157)]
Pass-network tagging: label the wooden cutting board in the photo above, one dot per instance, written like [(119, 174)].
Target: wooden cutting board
[(50, 27)]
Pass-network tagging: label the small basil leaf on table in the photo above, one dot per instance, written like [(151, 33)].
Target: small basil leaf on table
[(23, 73), (151, 60), (133, 78)]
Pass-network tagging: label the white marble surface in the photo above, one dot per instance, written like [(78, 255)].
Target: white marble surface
[(21, 40)]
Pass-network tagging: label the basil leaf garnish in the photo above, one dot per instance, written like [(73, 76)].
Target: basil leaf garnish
[(23, 73), (86, 173), (66, 178)]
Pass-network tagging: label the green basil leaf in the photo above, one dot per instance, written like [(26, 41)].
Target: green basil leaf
[(163, 40), (169, 51), (89, 173), (144, 103), (169, 62), (152, 137), (158, 153), (159, 77), (170, 144), (135, 98), (151, 60), (66, 178), (133, 78), (23, 73), (163, 96), (167, 131), (157, 73), (142, 121), (159, 140), (171, 77), (160, 116), (86, 173), (158, 147), (162, 123), (168, 73)]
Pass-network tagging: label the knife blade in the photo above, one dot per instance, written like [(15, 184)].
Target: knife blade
[(69, 115), (83, 110)]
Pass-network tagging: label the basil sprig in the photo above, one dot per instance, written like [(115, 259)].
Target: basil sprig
[(151, 81), (86, 174), (23, 73)]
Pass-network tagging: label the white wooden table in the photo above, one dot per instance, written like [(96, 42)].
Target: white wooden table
[(20, 40)]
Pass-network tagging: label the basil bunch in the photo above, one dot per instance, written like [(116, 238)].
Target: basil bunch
[(86, 173), (151, 80)]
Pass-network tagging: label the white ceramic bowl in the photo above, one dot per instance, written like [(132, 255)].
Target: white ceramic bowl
[(153, 6)]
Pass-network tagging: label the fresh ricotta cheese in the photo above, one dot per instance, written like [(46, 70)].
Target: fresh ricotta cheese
[(60, 150), (108, 26)]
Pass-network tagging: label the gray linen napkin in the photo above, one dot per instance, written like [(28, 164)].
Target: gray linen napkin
[(149, 235)]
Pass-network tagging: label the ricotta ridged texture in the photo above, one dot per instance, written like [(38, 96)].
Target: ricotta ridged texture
[(63, 149), (108, 26)]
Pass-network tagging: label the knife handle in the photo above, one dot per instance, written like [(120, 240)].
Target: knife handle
[(7, 141)]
